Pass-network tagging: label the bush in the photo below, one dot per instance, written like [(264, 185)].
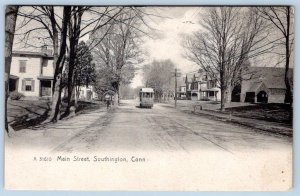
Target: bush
[(16, 95)]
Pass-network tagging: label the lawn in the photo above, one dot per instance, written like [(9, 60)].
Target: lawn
[(25, 113), (272, 112)]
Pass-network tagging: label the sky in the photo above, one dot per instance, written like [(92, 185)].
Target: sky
[(168, 27), (170, 24)]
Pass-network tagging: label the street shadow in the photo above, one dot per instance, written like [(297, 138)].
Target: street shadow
[(142, 107), (25, 121)]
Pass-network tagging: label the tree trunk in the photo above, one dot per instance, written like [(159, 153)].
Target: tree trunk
[(70, 78), (228, 93), (58, 60), (223, 88), (288, 92), (56, 99), (77, 90), (74, 33), (223, 97), (10, 25)]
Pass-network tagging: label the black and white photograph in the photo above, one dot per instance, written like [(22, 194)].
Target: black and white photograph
[(149, 98)]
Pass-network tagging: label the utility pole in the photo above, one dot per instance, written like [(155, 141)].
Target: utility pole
[(176, 74), (175, 87)]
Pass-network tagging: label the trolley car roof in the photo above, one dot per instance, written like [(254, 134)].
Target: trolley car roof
[(150, 90)]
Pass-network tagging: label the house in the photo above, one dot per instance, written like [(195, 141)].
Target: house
[(264, 85), (199, 86), (87, 93), (181, 89), (32, 73)]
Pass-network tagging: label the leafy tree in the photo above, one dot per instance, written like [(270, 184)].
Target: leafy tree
[(84, 70), (158, 75)]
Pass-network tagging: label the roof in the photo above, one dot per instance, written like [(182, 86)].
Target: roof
[(45, 77), (109, 92), (13, 77), (272, 77), (30, 53), (254, 86), (198, 77)]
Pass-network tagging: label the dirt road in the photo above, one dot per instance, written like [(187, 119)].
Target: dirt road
[(164, 129)]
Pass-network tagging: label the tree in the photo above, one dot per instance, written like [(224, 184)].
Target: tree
[(46, 21), (59, 59), (79, 28), (118, 50), (231, 37), (84, 70), (282, 20), (158, 75), (53, 25), (10, 25)]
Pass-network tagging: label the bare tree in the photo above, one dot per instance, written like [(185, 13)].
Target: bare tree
[(119, 47), (10, 24), (52, 27), (47, 21), (158, 75), (282, 20), (230, 38), (59, 51)]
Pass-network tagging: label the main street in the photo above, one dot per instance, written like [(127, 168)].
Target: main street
[(161, 128), (164, 129)]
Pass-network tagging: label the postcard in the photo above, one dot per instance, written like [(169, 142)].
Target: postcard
[(149, 98)]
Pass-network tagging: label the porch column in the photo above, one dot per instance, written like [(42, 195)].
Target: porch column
[(40, 89), (51, 88)]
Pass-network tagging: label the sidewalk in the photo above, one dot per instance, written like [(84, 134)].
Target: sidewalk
[(23, 114), (271, 127), (48, 136)]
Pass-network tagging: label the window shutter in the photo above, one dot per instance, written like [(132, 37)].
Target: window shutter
[(23, 85), (32, 85)]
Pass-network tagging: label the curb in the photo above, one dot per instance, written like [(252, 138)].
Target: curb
[(273, 130)]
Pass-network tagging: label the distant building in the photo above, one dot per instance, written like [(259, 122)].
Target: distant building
[(264, 85), (87, 93), (198, 86), (32, 73)]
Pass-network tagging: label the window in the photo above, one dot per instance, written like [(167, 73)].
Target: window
[(22, 66), (28, 85)]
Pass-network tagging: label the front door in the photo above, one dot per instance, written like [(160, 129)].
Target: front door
[(262, 97), (45, 88)]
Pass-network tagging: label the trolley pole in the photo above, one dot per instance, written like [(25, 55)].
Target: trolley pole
[(176, 74)]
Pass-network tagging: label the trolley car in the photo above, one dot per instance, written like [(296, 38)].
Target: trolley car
[(146, 97)]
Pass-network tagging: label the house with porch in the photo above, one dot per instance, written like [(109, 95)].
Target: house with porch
[(200, 86), (32, 73)]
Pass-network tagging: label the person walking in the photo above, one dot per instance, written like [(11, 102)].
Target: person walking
[(108, 100)]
